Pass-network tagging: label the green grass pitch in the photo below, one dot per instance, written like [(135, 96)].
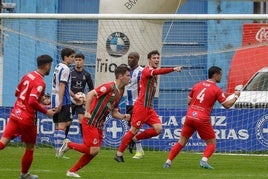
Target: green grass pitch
[(186, 165)]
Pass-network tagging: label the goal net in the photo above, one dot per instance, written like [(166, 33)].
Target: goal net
[(238, 46)]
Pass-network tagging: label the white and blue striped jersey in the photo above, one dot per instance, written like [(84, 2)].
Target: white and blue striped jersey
[(61, 74), (132, 88)]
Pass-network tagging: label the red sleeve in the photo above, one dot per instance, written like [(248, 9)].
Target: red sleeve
[(220, 96), (162, 71), (33, 102), (104, 89)]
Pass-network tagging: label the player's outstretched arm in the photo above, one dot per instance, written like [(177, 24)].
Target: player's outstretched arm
[(160, 71), (178, 68), (229, 103)]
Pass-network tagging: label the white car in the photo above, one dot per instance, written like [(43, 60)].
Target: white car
[(255, 93)]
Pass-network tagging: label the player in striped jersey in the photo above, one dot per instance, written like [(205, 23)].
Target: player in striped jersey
[(100, 102), (60, 97), (132, 94), (143, 111)]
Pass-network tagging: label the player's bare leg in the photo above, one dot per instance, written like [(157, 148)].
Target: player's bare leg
[(3, 142)]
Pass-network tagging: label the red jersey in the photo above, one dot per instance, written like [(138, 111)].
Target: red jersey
[(29, 92), (204, 95), (148, 84), (108, 97)]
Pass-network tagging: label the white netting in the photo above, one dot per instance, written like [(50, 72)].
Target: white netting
[(194, 42)]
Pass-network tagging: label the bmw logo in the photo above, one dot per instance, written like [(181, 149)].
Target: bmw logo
[(117, 44)]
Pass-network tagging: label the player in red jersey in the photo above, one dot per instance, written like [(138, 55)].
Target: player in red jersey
[(143, 112), (201, 99), (99, 103), (23, 117)]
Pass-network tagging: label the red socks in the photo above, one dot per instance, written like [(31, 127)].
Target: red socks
[(148, 133), (84, 160), (174, 151), (125, 141), (209, 150), (79, 147), (26, 161), (2, 146)]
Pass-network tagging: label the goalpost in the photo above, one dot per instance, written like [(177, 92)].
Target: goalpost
[(232, 41)]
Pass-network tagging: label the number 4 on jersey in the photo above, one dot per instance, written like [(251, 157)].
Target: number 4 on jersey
[(201, 95)]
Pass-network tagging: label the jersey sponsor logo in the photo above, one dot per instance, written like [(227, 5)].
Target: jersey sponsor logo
[(117, 44), (195, 114), (18, 112), (261, 130)]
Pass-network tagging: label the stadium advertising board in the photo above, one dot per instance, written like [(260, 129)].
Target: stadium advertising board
[(243, 130)]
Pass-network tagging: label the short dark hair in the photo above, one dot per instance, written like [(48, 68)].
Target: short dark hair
[(121, 70), (154, 52), (43, 59), (214, 70), (66, 52), (134, 55), (80, 55)]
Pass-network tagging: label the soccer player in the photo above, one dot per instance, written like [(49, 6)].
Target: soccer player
[(132, 94), (22, 120), (100, 102), (79, 79), (60, 97), (143, 112), (201, 99)]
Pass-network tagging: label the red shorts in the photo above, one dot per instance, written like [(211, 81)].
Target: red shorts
[(15, 127), (92, 136), (142, 115), (203, 127)]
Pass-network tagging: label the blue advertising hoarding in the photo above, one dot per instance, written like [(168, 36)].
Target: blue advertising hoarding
[(243, 130)]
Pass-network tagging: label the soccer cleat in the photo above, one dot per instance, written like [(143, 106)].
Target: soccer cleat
[(63, 157), (119, 158), (72, 174), (28, 176), (131, 146), (64, 148), (138, 155), (166, 165), (205, 165)]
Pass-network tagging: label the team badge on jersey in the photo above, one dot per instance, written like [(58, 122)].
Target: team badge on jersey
[(95, 141), (40, 88), (103, 89)]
